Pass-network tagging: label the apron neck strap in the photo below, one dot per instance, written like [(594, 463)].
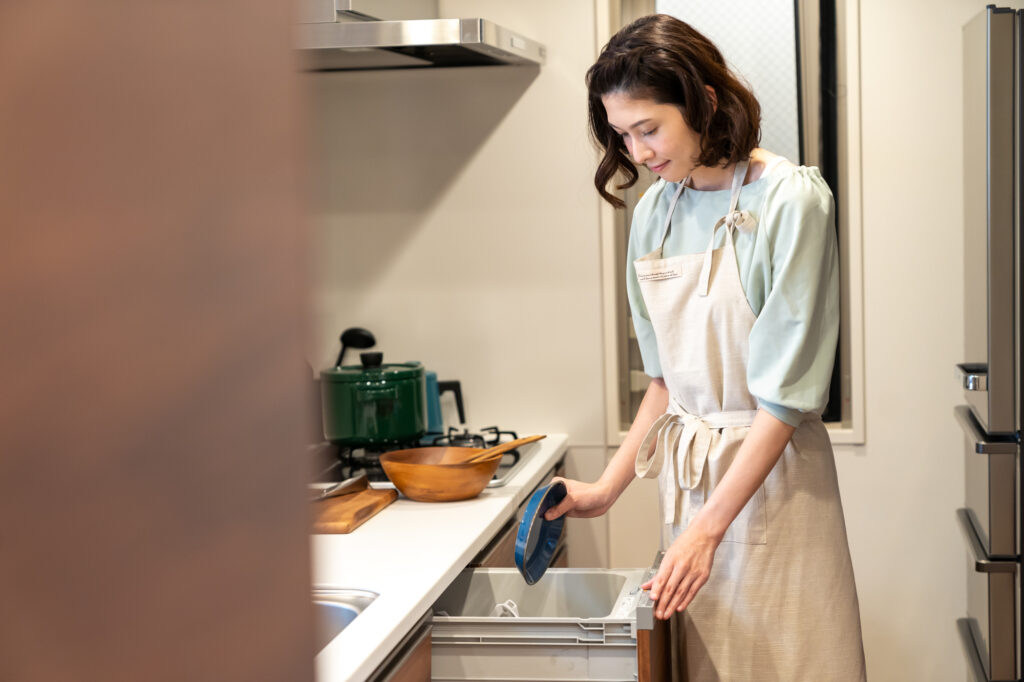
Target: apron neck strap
[(729, 220), (671, 210), (737, 184)]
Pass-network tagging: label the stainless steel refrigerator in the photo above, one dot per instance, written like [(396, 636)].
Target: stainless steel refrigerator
[(992, 372)]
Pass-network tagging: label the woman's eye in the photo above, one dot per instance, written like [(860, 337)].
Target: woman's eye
[(649, 132)]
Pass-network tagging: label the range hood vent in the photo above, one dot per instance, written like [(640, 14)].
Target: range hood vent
[(345, 38)]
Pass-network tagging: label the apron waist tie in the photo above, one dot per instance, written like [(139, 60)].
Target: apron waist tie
[(685, 440)]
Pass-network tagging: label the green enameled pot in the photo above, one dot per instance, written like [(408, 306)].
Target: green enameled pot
[(374, 404)]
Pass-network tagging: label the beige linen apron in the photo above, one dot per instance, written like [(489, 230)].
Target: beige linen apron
[(780, 603)]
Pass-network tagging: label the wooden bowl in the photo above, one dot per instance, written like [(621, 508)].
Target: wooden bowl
[(438, 474)]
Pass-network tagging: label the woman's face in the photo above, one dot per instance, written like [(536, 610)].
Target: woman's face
[(655, 135)]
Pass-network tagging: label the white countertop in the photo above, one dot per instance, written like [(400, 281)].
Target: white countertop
[(408, 554)]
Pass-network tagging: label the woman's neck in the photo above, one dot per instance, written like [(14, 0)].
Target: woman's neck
[(711, 178)]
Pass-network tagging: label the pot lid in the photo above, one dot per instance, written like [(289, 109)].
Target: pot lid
[(382, 372), (537, 537)]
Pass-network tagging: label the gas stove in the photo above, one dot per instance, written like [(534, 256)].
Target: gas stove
[(335, 463)]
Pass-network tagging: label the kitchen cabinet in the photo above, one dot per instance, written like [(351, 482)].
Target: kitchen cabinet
[(410, 660), (652, 652), (500, 551)]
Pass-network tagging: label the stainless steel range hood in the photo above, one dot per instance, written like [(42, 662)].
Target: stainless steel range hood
[(343, 35)]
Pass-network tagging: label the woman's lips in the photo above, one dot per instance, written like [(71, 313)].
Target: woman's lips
[(659, 168)]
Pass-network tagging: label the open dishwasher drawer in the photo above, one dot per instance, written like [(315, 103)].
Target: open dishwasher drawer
[(573, 624)]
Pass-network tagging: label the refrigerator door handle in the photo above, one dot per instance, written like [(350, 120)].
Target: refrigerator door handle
[(973, 376), (982, 445), (982, 562), (965, 626)]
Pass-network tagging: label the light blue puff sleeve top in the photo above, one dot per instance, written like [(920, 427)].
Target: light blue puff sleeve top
[(789, 270)]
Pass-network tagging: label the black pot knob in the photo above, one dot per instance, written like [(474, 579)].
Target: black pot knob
[(371, 360)]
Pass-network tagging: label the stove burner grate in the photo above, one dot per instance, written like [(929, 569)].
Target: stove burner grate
[(336, 463)]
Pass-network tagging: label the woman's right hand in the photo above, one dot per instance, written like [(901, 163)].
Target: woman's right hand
[(582, 500), (587, 500)]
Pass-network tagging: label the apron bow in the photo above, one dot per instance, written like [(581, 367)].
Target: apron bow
[(733, 220), (741, 220), (683, 440)]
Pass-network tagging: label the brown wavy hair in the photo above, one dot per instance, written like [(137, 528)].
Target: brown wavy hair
[(663, 59)]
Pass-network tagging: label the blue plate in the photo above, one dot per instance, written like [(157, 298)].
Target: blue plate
[(538, 537)]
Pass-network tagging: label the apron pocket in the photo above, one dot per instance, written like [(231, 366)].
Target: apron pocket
[(750, 527)]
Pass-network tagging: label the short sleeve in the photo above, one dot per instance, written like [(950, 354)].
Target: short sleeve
[(643, 233), (793, 340)]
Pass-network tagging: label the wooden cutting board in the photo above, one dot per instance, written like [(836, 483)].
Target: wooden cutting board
[(346, 513)]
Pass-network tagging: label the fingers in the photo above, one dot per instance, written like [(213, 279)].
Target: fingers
[(559, 509), (681, 592), (567, 503), (582, 500), (665, 587), (683, 595), (692, 592), (680, 578), (674, 587), (562, 507), (685, 568)]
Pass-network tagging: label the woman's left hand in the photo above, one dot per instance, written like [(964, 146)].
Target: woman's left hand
[(684, 570)]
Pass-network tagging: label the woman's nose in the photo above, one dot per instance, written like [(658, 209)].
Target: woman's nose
[(641, 152)]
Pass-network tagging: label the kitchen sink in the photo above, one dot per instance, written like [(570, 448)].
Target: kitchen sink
[(335, 609)]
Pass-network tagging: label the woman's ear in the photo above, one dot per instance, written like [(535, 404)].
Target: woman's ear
[(713, 96)]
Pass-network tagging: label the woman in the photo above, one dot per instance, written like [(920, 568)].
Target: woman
[(733, 285)]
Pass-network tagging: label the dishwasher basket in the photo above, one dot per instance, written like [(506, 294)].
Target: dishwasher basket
[(573, 624)]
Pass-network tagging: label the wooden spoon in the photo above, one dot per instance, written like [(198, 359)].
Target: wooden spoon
[(499, 450)]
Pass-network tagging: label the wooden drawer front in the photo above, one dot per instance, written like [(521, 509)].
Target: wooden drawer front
[(410, 660)]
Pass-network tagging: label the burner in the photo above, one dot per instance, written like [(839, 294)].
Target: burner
[(460, 440), (335, 463), (489, 436), (497, 434)]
